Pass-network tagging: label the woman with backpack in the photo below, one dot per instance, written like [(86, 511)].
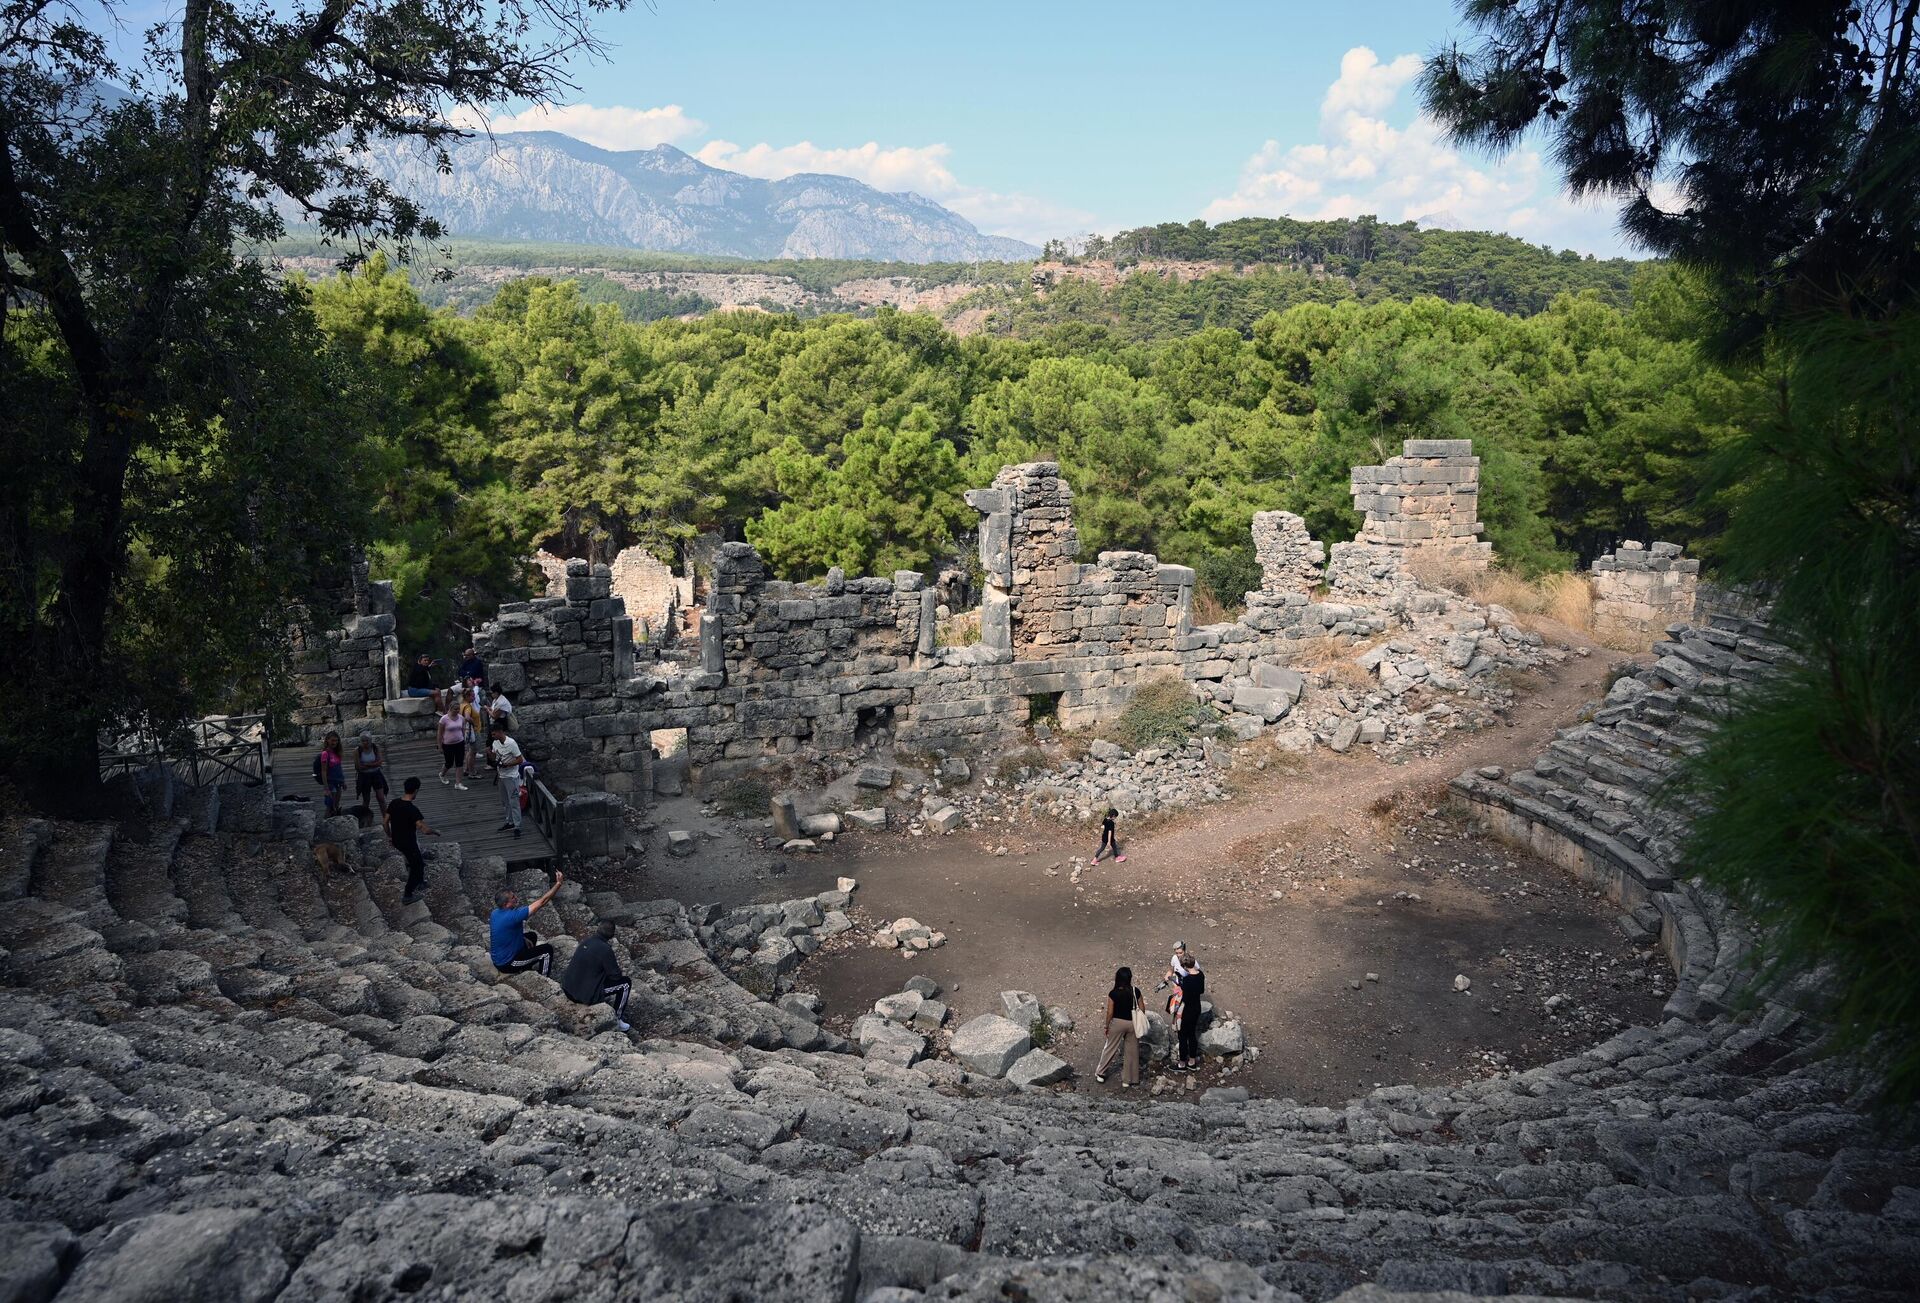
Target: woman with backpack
[(1126, 1019)]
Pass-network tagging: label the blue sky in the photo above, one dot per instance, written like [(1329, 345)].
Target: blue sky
[(1060, 117)]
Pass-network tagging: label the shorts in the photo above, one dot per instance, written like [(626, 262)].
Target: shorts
[(454, 753), (369, 780), (420, 692)]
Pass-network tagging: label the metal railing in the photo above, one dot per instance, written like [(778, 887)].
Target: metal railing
[(217, 749)]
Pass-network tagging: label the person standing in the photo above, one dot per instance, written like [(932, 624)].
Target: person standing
[(472, 667), (507, 760), (405, 822), (476, 734), (1122, 1000), (370, 772), (501, 710), (593, 975), (1192, 984), (330, 771), (515, 947), (453, 746), (1108, 841)]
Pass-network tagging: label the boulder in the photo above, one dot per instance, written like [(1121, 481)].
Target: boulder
[(1222, 1039), (1373, 731), (1344, 735), (1280, 679), (222, 1253), (875, 777), (954, 770), (1023, 1007), (989, 1045), (871, 820), (1270, 704), (680, 843), (1106, 752), (815, 825), (925, 985), (1038, 1068), (899, 1008), (930, 1015)]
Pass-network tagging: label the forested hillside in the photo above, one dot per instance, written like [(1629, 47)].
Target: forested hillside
[(1147, 285), (844, 441)]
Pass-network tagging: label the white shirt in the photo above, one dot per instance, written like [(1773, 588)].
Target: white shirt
[(506, 754), (501, 706)]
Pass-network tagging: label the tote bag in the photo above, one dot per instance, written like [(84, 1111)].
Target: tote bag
[(1139, 1015)]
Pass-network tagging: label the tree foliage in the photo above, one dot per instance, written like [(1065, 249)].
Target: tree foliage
[(163, 362), (848, 442), (1773, 150)]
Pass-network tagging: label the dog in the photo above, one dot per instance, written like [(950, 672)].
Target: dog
[(331, 855)]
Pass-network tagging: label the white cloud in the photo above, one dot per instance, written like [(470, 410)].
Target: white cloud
[(919, 168), (1363, 163), (612, 127)]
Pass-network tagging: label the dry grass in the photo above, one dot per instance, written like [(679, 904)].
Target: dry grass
[(1324, 656), (1561, 598), (1208, 609), (962, 630)]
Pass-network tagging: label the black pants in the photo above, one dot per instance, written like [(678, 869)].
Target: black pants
[(532, 958), (416, 868), (1108, 842), (615, 994), (1190, 1033)]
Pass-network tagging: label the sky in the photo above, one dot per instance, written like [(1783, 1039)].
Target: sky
[(1056, 117)]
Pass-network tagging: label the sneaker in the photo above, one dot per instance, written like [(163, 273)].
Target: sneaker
[(516, 832), (1119, 859), (444, 780), (625, 1027), (459, 787), (505, 827), (408, 898), (1100, 1077), (1126, 1085)]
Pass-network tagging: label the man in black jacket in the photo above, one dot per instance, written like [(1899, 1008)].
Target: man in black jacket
[(593, 975)]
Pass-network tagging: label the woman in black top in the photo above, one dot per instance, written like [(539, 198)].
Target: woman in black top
[(1122, 1000), (1192, 983)]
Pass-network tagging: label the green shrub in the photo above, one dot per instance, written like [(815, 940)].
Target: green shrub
[(1162, 713), (744, 798)]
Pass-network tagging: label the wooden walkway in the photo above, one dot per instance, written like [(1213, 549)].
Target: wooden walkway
[(472, 817)]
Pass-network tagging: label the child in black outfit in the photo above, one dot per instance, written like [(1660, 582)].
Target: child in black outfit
[(1108, 842)]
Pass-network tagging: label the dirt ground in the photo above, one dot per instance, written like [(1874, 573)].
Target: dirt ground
[(1332, 903)]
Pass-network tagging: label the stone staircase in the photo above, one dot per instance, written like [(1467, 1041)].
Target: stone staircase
[(228, 1072)]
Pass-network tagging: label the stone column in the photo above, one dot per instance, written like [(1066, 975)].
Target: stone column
[(1425, 503), (1291, 560)]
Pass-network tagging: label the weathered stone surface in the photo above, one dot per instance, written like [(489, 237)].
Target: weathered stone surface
[(989, 1045), (221, 1250), (1038, 1068)]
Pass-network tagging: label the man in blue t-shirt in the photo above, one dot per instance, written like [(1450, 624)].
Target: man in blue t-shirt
[(514, 945)]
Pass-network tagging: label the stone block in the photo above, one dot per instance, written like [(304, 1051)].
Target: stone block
[(946, 820), (1038, 1068), (1280, 679), (786, 820), (1344, 735), (1022, 1007), (680, 843), (990, 1045), (870, 820)]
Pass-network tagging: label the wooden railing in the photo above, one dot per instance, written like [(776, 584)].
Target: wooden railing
[(218, 749), (544, 806)]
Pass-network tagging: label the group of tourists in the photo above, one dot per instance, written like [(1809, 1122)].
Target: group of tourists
[(1126, 1022), (592, 976), (474, 723)]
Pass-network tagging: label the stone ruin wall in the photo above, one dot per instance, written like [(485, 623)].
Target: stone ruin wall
[(349, 671), (1425, 503), (784, 669), (654, 595), (1639, 591)]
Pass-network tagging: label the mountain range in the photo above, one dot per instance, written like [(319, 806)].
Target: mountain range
[(543, 185)]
